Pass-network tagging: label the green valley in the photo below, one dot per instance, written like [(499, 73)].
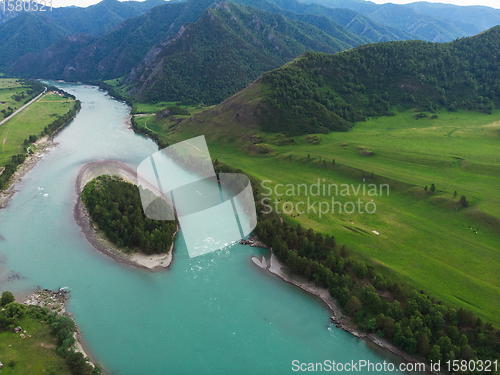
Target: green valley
[(427, 238), (418, 231), (369, 134)]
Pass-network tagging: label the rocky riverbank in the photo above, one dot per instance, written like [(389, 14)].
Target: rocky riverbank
[(253, 242), (337, 318), (54, 301)]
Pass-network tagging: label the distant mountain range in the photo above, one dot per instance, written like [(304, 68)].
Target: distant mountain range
[(26, 32), (434, 22), (205, 50), (95, 20)]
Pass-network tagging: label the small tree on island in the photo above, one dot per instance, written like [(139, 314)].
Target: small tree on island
[(433, 188), (455, 194)]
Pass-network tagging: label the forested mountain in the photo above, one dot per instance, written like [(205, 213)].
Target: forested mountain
[(100, 18), (222, 52), (423, 20), (53, 61), (480, 16), (95, 20), (30, 32), (321, 21), (24, 34), (117, 52), (320, 93), (422, 26), (152, 41)]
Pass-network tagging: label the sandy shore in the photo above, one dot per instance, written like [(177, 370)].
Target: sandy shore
[(96, 237), (341, 321)]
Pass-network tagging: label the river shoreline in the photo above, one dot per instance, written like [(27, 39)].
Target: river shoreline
[(44, 146), (96, 237), (274, 267), (42, 297), (55, 301)]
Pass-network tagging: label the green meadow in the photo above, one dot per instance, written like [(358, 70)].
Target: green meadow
[(31, 121), (8, 88), (141, 108), (151, 108), (31, 355), (428, 239)]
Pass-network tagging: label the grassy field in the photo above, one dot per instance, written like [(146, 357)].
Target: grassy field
[(8, 88), (31, 355), (425, 239), (32, 120), (153, 108)]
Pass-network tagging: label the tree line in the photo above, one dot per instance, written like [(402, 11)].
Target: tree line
[(415, 322)]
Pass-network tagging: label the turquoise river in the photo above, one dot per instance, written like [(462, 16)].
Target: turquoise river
[(214, 314)]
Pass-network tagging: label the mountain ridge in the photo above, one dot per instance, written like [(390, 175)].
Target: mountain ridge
[(429, 22), (245, 42), (318, 93)]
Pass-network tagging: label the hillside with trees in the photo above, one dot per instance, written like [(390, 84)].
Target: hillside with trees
[(100, 18), (115, 53), (52, 61), (319, 93), (355, 22), (24, 34), (375, 79), (31, 32), (221, 53), (118, 52)]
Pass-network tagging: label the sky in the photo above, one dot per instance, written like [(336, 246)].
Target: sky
[(490, 3)]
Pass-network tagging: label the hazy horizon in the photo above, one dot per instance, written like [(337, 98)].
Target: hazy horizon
[(489, 3)]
